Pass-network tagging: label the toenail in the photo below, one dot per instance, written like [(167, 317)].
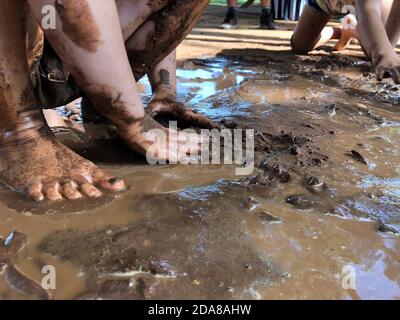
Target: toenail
[(114, 180)]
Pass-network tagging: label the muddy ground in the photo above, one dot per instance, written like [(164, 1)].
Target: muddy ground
[(324, 197)]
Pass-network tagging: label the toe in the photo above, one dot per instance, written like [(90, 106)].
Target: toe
[(52, 191), (69, 190), (107, 181), (35, 192), (90, 190), (112, 184)]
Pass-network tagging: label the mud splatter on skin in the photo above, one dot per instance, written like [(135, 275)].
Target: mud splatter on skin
[(165, 77), (79, 24)]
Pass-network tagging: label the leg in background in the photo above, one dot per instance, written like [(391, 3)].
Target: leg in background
[(308, 33), (230, 21), (267, 16)]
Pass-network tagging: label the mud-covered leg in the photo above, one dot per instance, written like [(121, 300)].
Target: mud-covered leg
[(89, 41), (31, 160), (308, 33)]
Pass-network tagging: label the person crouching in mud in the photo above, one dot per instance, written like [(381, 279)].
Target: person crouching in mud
[(105, 64), (377, 29)]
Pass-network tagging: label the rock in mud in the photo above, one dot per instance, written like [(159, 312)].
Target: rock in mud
[(308, 202), (269, 219), (276, 171), (185, 247), (358, 156), (385, 228), (315, 184)]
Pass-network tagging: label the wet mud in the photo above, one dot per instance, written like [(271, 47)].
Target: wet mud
[(325, 194)]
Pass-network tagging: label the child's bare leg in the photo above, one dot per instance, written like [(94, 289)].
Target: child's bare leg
[(31, 160), (392, 23), (90, 43), (308, 33)]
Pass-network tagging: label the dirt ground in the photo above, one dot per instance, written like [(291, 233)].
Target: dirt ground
[(323, 201)]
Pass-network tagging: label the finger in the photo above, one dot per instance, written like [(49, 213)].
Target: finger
[(193, 117), (202, 121), (396, 75), (52, 191), (380, 74)]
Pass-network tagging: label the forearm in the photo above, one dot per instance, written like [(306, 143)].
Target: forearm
[(163, 76), (372, 32)]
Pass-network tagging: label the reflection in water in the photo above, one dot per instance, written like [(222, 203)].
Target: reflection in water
[(373, 282)]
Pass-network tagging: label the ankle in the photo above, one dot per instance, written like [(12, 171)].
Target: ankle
[(28, 126), (266, 11), (232, 11), (164, 92)]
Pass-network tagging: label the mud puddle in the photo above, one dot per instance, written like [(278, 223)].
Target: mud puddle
[(323, 201)]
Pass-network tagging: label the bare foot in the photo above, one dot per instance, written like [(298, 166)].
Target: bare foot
[(34, 163), (165, 103)]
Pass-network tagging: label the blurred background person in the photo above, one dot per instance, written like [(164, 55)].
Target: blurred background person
[(266, 16)]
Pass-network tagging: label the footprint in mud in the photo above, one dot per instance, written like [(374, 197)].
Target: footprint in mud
[(15, 279), (191, 244)]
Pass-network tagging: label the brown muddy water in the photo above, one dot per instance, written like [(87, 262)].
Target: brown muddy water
[(324, 199)]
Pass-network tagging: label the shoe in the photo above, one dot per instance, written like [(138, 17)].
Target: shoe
[(267, 22), (230, 21)]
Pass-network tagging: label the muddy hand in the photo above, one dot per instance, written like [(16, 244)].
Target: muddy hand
[(388, 66), (168, 105), (149, 138)]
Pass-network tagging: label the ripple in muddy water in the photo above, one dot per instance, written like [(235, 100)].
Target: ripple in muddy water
[(203, 232)]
